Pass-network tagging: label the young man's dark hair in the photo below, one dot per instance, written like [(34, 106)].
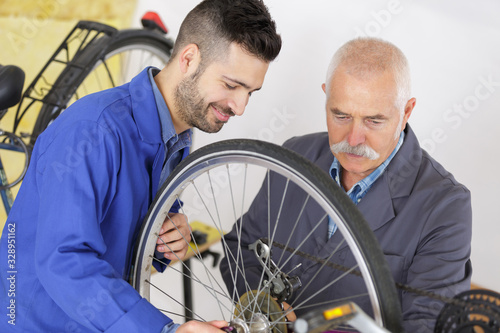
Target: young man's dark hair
[(214, 24)]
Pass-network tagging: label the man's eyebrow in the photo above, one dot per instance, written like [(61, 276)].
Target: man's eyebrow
[(243, 84), (338, 112), (377, 116)]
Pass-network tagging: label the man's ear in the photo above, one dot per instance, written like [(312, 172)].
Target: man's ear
[(323, 86), (408, 109), (189, 59)]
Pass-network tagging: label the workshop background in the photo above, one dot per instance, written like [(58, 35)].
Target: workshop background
[(453, 48)]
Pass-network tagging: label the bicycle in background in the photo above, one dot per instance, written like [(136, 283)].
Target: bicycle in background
[(93, 57)]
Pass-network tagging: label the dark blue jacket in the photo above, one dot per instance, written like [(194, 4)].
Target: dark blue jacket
[(419, 213)]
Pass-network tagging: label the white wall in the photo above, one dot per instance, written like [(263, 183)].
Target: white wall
[(454, 52)]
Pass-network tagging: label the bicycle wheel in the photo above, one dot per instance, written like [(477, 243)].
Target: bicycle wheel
[(108, 62), (216, 185)]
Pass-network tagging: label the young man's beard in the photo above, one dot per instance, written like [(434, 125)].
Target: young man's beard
[(193, 109)]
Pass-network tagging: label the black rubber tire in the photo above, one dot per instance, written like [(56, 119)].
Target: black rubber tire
[(72, 77), (318, 179)]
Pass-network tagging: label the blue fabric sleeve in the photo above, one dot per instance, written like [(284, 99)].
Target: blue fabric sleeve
[(71, 257), (170, 328)]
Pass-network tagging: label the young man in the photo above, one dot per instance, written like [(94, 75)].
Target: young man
[(96, 169), (419, 213)]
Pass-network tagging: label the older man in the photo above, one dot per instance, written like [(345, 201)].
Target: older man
[(419, 213)]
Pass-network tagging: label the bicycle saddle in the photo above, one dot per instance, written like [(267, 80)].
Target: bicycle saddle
[(11, 85)]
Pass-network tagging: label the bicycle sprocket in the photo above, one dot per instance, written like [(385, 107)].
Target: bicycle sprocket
[(479, 312)]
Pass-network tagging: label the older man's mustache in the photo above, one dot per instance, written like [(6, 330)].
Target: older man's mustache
[(360, 150)]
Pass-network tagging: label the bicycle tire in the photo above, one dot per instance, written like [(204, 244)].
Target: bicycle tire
[(249, 153), (71, 83)]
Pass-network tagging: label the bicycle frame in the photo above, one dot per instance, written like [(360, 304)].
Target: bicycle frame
[(20, 147), (41, 90)]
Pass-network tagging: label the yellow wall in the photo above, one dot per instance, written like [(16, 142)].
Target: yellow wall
[(31, 30)]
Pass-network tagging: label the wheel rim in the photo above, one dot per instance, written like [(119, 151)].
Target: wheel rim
[(185, 186), (119, 66)]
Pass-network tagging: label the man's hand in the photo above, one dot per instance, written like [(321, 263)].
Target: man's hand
[(290, 313), (175, 235), (197, 327)]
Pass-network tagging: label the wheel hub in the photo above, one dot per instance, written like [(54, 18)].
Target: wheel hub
[(258, 313)]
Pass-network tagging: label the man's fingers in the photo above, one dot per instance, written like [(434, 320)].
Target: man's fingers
[(173, 221), (218, 323), (196, 326), (175, 255), (173, 246), (175, 228), (290, 313), (175, 235), (181, 234)]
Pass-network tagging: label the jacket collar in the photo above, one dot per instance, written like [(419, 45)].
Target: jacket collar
[(402, 173), (144, 108), (396, 182)]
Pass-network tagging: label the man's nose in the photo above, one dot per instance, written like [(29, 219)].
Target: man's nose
[(356, 135), (238, 103)]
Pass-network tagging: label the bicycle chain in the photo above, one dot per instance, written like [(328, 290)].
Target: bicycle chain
[(420, 292)]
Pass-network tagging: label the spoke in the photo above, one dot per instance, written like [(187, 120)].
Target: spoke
[(173, 299), (242, 272), (239, 253), (333, 301), (125, 65), (148, 59), (268, 261), (207, 210), (263, 286), (279, 212), (209, 274), (108, 71), (219, 226), (234, 277), (195, 251), (227, 250), (303, 241), (142, 58), (176, 314), (211, 289), (238, 268), (327, 285), (321, 268), (294, 227), (203, 202), (275, 328), (192, 278), (268, 205), (220, 233)]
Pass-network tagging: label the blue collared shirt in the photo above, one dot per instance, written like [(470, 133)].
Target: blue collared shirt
[(358, 191), (176, 146)]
